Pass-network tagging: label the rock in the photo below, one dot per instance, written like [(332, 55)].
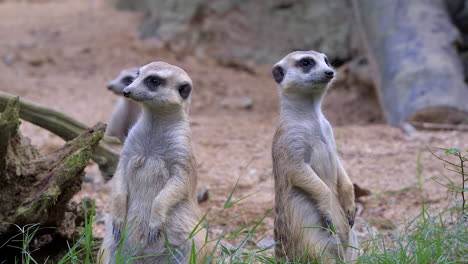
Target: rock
[(88, 179), (238, 64), (266, 242), (39, 60), (240, 102), (9, 59), (261, 31)]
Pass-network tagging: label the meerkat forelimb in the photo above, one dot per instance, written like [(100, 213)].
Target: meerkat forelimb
[(347, 197), (119, 204), (154, 191), (311, 186), (174, 191), (126, 111)]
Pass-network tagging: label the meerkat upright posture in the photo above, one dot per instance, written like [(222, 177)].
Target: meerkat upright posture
[(127, 111), (312, 187), (154, 186)]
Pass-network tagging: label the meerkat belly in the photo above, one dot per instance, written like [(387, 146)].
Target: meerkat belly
[(303, 224), (303, 209), (325, 166), (148, 178)]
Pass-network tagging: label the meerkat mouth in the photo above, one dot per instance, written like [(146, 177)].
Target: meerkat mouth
[(320, 82)]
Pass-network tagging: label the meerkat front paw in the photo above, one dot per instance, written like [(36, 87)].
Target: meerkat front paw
[(351, 215), (154, 231), (327, 222), (117, 228)]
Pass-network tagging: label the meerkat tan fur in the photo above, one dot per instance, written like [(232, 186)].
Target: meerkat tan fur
[(312, 188), (154, 187), (127, 111)]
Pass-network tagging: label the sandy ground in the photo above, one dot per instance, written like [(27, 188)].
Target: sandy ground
[(62, 53)]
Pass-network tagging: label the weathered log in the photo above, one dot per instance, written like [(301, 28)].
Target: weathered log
[(9, 123), (417, 71), (435, 126), (106, 155), (37, 189)]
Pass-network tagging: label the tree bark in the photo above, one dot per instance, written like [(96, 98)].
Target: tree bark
[(106, 154), (37, 189)]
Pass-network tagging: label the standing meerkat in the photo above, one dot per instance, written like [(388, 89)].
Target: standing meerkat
[(154, 188), (312, 188), (127, 111)]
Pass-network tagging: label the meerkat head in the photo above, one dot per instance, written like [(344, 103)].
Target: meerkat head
[(124, 79), (303, 72), (161, 85)]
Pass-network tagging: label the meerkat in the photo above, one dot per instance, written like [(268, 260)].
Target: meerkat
[(154, 188), (127, 111), (314, 196)]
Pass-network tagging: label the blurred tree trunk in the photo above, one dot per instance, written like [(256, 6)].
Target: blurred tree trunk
[(411, 46), (458, 10), (37, 189)]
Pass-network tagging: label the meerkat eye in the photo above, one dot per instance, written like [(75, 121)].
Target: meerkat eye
[(326, 61), (184, 90), (306, 63), (127, 80), (152, 82)]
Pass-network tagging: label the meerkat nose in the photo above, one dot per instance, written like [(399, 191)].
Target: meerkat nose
[(110, 86), (126, 94), (329, 74)]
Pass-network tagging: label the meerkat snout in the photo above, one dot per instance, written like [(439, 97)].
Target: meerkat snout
[(329, 74), (124, 79), (126, 111)]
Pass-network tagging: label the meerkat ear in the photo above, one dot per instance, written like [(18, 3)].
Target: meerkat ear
[(278, 73), (184, 90)]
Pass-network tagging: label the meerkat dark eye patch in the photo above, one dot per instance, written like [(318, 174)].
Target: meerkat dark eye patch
[(326, 61), (278, 73), (127, 80), (153, 81), (306, 64), (184, 90)]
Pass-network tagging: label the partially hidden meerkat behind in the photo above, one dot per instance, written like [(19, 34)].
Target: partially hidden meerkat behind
[(313, 193), (154, 188), (127, 111)]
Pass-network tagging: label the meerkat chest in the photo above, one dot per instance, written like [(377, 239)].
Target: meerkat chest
[(148, 164), (147, 171), (319, 151)]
